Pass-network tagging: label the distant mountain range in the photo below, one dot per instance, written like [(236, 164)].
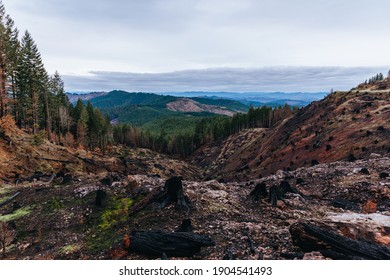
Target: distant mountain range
[(248, 98)]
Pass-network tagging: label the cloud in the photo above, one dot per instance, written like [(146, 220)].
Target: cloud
[(267, 79)]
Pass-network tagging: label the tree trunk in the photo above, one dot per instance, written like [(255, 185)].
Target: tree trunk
[(311, 237), (3, 78)]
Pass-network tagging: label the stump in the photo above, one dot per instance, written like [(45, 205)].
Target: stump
[(173, 244), (259, 191), (100, 195), (185, 226), (174, 193), (277, 192), (310, 237)]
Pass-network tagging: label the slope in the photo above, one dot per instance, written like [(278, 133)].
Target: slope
[(342, 126)]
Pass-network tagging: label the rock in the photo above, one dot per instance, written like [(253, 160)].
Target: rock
[(374, 155), (314, 256)]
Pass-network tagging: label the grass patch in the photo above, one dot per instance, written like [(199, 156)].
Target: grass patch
[(4, 198), (16, 215), (116, 213), (5, 190), (109, 224), (69, 249), (54, 204)]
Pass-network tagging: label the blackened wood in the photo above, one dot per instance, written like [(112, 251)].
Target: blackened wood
[(9, 199), (100, 195), (310, 237), (174, 193), (185, 226), (274, 195), (285, 187), (251, 243), (173, 244), (259, 191)]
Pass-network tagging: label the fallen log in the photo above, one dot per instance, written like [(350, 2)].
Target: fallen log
[(310, 237), (9, 199), (173, 244)]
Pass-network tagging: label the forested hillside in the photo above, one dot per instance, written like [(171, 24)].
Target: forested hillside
[(36, 101)]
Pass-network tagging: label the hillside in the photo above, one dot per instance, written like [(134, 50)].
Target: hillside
[(23, 156), (96, 200), (343, 126)]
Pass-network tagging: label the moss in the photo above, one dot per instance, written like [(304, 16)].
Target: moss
[(68, 249), (5, 190), (110, 223), (4, 198), (16, 215), (116, 213), (54, 204)]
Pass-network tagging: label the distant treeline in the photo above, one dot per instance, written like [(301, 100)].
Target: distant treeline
[(37, 101), (207, 130)]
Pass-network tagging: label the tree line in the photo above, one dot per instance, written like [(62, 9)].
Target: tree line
[(36, 100), (207, 130), (38, 104)]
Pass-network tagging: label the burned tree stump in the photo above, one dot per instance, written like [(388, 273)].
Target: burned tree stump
[(173, 244), (259, 191), (100, 196), (277, 192), (310, 237), (174, 193), (185, 226)]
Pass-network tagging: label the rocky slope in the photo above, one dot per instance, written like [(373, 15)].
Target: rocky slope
[(57, 221), (343, 126)]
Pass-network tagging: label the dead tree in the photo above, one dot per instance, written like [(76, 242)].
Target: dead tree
[(310, 237), (259, 191), (174, 193), (173, 244)]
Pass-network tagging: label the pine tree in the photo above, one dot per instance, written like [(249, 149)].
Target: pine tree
[(12, 50), (32, 83)]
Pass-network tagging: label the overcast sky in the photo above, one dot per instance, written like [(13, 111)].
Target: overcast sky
[(231, 45)]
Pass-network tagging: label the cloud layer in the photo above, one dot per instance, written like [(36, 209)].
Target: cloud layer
[(267, 79), (158, 36)]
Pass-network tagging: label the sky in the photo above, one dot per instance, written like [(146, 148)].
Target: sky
[(208, 45)]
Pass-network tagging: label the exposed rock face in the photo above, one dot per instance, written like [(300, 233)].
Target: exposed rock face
[(188, 105)]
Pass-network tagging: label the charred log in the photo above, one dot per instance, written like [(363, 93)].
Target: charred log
[(310, 237), (174, 244)]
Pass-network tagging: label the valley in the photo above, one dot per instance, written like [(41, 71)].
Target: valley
[(58, 217)]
